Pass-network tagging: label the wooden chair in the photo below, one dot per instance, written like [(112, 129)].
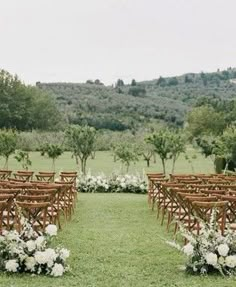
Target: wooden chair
[(35, 210), (23, 175), (3, 207), (45, 176), (4, 174), (204, 211)]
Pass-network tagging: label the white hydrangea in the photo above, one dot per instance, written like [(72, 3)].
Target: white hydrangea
[(211, 258), (51, 256), (11, 265), (39, 241), (188, 249), (230, 261), (31, 245), (51, 230), (223, 249), (57, 270), (64, 253), (30, 263), (41, 257)]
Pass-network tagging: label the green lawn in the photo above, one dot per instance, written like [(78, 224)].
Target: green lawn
[(103, 163), (115, 240)]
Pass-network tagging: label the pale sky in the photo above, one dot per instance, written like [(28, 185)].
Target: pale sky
[(76, 40)]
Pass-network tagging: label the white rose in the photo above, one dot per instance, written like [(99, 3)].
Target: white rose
[(188, 249), (211, 258), (31, 245), (64, 253), (57, 270), (223, 249), (30, 263), (51, 230), (11, 265), (230, 261)]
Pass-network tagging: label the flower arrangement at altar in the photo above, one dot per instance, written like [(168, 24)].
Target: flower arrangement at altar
[(115, 183), (27, 251), (210, 251)]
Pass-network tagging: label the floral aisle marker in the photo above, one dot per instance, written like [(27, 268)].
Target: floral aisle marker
[(27, 251), (210, 251)]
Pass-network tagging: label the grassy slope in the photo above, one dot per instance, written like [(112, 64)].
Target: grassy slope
[(103, 163), (116, 241)]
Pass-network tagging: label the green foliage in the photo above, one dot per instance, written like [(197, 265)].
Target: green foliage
[(146, 150), (226, 145), (81, 140), (24, 158), (205, 120), (126, 153), (53, 151), (24, 107), (161, 142), (137, 91), (177, 146), (8, 141)]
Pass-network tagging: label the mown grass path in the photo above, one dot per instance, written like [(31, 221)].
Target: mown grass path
[(115, 240)]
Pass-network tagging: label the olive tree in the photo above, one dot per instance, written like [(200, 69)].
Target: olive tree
[(81, 140), (226, 146), (126, 153), (53, 151), (8, 142), (24, 158), (161, 142), (177, 146)]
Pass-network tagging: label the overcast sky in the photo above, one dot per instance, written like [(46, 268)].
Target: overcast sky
[(76, 40)]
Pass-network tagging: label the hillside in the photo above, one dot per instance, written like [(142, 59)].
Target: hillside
[(132, 106)]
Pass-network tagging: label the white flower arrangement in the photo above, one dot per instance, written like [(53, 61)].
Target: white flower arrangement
[(120, 183), (27, 251), (209, 251)]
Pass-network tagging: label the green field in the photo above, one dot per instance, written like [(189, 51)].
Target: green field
[(116, 241), (104, 163)]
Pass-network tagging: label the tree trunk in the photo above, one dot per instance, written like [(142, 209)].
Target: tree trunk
[(154, 158), (226, 167), (83, 166), (148, 162), (163, 165), (6, 163), (53, 164), (173, 165)]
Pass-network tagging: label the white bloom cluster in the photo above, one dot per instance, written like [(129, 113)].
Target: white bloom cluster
[(210, 250), (27, 251), (120, 183)]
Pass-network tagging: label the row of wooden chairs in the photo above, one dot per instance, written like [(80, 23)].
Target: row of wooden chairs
[(41, 202), (187, 197)]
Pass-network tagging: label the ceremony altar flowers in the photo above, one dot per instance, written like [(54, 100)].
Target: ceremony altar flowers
[(210, 251), (115, 183), (28, 251)]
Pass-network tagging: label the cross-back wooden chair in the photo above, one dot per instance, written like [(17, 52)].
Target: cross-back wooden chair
[(164, 199), (35, 210), (204, 210), (45, 176), (4, 174), (24, 175), (8, 214)]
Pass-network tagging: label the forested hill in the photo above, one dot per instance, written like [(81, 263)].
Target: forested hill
[(140, 103)]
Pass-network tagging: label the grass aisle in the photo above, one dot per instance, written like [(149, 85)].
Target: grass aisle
[(116, 241)]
